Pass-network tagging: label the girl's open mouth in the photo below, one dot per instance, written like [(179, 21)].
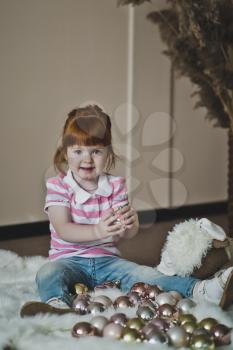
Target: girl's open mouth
[(87, 169)]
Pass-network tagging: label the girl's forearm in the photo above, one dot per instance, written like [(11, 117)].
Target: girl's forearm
[(75, 233)]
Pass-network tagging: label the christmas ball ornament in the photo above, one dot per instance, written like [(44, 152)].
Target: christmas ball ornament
[(122, 301), (156, 337), (176, 295), (133, 297), (148, 328), (183, 318), (108, 284), (145, 313), (113, 330), (139, 287), (99, 322), (151, 292), (148, 303), (208, 323), (166, 311), (185, 305), (81, 329), (135, 323), (160, 323), (220, 332), (202, 342), (119, 318), (80, 288), (177, 337), (165, 298), (95, 308), (80, 306), (131, 335), (103, 299), (200, 331), (189, 327)]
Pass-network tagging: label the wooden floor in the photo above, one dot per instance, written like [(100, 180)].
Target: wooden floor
[(143, 249)]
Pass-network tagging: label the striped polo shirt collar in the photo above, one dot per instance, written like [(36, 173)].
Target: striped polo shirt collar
[(81, 196)]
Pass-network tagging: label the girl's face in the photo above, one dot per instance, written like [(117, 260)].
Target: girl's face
[(87, 162)]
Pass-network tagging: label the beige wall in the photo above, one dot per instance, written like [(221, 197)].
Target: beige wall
[(56, 54)]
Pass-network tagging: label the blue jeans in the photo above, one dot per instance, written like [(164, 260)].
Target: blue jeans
[(57, 278)]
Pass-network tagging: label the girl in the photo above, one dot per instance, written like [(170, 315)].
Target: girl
[(82, 202)]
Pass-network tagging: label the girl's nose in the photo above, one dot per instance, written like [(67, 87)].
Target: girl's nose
[(87, 157)]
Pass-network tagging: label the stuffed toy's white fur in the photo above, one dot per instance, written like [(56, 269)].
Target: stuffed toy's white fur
[(187, 244)]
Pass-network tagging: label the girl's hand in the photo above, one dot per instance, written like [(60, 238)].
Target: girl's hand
[(129, 219), (108, 226), (129, 216)]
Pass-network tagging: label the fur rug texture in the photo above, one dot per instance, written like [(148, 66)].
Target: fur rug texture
[(53, 332)]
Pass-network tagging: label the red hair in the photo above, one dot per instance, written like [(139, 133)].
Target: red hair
[(85, 126)]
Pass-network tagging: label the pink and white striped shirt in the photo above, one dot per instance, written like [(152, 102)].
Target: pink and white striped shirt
[(86, 208)]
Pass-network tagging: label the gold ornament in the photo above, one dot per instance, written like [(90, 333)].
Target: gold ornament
[(202, 342)]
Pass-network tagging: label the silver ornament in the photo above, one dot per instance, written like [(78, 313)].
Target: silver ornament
[(155, 336), (165, 298), (185, 305), (95, 308), (145, 313), (119, 318), (99, 322), (103, 299), (113, 330)]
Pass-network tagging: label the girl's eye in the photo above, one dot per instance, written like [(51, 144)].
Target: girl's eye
[(77, 151), (97, 151)]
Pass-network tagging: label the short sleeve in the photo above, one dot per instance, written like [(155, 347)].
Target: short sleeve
[(120, 195), (57, 194)]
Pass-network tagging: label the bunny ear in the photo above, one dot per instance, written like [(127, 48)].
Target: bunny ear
[(212, 229)]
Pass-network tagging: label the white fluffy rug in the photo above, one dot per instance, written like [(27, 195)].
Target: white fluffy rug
[(54, 332)]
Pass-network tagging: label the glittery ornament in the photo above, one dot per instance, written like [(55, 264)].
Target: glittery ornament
[(139, 287), (122, 301), (113, 330), (103, 299), (119, 318), (183, 318), (221, 334), (81, 329), (165, 298), (135, 323), (80, 288), (133, 297), (202, 342), (131, 335), (177, 337), (185, 305), (99, 322), (145, 313), (148, 303), (108, 284), (151, 292), (208, 323)]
